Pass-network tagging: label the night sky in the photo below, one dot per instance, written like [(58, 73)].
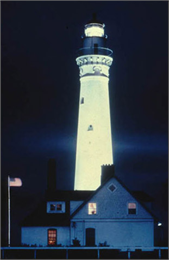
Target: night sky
[(40, 93)]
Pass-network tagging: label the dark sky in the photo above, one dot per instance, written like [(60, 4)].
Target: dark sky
[(40, 90)]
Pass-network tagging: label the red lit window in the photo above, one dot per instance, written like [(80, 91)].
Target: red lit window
[(92, 208), (131, 208), (52, 237)]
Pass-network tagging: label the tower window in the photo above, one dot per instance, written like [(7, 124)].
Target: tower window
[(91, 208), (90, 128), (82, 100), (132, 208), (95, 48)]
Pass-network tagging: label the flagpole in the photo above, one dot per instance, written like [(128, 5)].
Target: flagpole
[(8, 211)]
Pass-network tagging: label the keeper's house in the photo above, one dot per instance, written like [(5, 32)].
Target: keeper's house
[(110, 215)]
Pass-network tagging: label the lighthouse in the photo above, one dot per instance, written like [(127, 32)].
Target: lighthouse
[(94, 141)]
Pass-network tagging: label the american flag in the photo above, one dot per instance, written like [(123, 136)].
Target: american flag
[(15, 182)]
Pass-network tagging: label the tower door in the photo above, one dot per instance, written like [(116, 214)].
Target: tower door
[(90, 237)]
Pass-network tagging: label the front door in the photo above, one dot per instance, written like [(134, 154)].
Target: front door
[(90, 237)]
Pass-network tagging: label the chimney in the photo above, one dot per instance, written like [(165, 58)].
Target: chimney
[(107, 172), (51, 175)]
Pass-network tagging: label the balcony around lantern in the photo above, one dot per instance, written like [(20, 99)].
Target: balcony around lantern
[(94, 50)]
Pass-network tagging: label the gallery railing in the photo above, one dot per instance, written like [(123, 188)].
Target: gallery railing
[(94, 50)]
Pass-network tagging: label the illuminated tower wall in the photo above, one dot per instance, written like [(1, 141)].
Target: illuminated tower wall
[(94, 142)]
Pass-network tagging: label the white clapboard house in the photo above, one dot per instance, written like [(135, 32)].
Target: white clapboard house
[(110, 215)]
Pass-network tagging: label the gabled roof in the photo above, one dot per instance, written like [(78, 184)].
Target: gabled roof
[(40, 217), (100, 187), (136, 198), (91, 196)]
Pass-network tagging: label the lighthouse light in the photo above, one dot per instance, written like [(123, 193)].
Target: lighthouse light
[(94, 31)]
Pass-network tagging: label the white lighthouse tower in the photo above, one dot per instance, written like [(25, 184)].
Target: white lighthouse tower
[(94, 142)]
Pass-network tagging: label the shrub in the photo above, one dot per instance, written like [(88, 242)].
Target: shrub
[(76, 242), (103, 244)]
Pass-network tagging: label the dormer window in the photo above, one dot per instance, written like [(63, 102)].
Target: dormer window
[(56, 207)]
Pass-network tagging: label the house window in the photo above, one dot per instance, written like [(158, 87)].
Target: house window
[(52, 207), (112, 187), (82, 100), (131, 208), (52, 235), (91, 208), (56, 207), (59, 206), (90, 128)]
